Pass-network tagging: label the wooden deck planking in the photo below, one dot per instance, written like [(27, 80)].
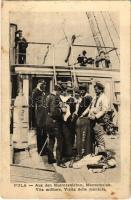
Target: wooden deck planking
[(23, 174)]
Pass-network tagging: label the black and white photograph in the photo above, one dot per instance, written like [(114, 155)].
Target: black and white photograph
[(65, 97), (66, 100)]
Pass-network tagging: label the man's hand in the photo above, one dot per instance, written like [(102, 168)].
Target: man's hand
[(92, 116)]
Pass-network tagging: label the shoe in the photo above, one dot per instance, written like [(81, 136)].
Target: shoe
[(62, 165), (64, 160), (77, 158), (44, 154), (71, 164), (52, 161), (103, 153)]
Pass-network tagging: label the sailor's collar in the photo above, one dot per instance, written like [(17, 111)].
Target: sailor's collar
[(38, 87), (53, 92), (87, 94)]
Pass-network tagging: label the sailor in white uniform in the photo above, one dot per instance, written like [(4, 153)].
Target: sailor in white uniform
[(96, 111)]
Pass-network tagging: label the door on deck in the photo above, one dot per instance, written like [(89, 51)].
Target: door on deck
[(33, 84)]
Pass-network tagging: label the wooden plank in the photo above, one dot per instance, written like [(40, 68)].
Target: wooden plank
[(22, 174)]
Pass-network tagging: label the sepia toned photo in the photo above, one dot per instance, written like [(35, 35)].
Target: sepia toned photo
[(65, 99)]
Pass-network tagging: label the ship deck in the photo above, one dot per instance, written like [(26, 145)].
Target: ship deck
[(34, 168)]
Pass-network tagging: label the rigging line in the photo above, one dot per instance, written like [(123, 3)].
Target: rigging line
[(54, 69), (113, 25), (61, 40), (46, 53), (99, 31), (69, 47), (83, 38), (92, 31), (92, 46), (110, 36), (65, 33), (73, 75), (74, 72)]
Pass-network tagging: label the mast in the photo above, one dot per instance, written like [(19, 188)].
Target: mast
[(110, 36), (95, 30)]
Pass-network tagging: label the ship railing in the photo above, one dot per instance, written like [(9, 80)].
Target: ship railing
[(42, 54)]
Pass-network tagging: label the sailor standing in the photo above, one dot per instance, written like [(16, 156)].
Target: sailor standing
[(22, 45), (39, 104), (83, 140), (68, 107), (54, 126), (99, 107)]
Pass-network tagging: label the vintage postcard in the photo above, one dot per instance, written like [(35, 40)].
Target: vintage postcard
[(65, 100)]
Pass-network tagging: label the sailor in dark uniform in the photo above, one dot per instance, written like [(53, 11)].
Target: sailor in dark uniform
[(83, 140), (83, 60), (39, 105), (68, 108), (54, 126), (21, 44)]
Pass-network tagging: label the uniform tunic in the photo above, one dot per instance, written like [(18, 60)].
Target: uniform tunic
[(39, 105), (67, 128), (83, 138), (22, 45), (54, 127)]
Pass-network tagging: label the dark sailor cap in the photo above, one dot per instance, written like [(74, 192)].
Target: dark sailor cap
[(19, 31), (42, 81), (99, 85)]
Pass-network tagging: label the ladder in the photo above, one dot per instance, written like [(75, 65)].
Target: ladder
[(95, 31)]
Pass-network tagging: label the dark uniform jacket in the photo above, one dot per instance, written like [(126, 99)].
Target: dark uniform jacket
[(85, 102), (39, 104), (53, 106), (22, 44), (71, 103)]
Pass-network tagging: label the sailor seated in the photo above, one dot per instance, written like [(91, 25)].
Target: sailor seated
[(102, 60), (83, 60)]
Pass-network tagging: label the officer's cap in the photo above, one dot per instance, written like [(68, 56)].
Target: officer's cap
[(42, 81), (99, 85)]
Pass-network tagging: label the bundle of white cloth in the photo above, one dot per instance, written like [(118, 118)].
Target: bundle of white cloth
[(89, 159)]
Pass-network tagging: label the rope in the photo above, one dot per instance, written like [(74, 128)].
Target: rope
[(73, 79), (93, 32), (53, 46), (114, 26), (47, 51), (99, 31), (110, 36)]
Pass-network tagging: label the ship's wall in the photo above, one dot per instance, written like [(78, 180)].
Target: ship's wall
[(109, 77)]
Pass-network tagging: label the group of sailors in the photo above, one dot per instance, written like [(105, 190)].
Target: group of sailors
[(70, 118), (102, 60)]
